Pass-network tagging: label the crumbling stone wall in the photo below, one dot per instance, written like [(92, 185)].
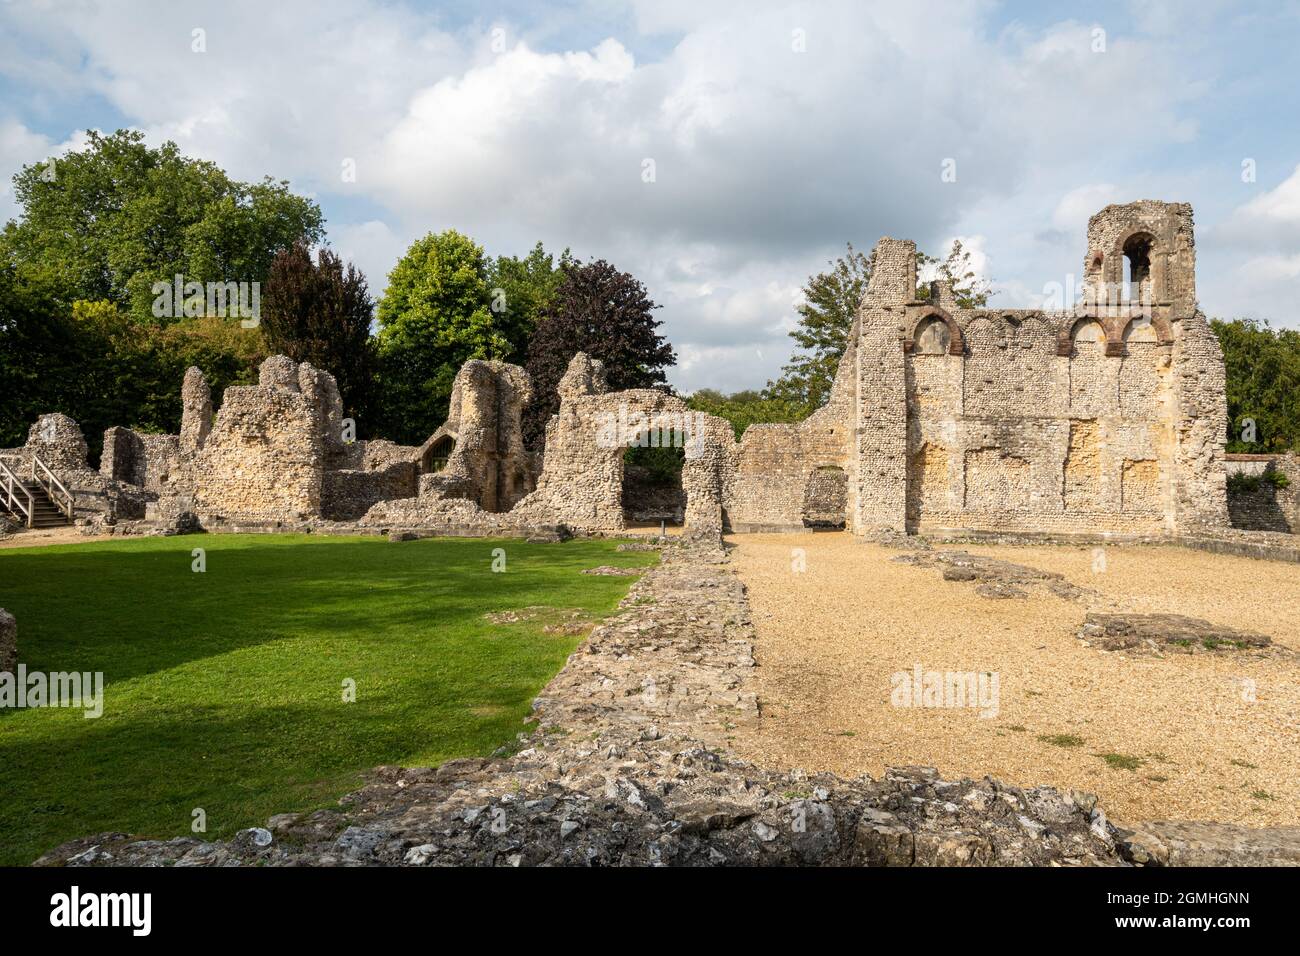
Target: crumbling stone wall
[(581, 484), (275, 452), (8, 642), (348, 494), (196, 411), (486, 461), (139, 458), (57, 440), (1259, 504), (1108, 417), (776, 484), (1105, 417), (264, 457)]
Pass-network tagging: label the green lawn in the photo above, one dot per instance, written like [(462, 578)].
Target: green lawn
[(224, 690)]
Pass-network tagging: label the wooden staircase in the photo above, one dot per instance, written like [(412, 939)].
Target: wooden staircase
[(40, 501)]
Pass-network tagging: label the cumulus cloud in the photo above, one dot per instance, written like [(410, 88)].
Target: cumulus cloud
[(1257, 257), (19, 147), (720, 152), (1270, 220)]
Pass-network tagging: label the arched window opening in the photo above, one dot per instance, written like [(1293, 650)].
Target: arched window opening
[(1140, 330), (1088, 330), (1137, 257), (435, 459), (932, 337)]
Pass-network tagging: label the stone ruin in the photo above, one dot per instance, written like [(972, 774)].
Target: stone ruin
[(1269, 496), (1105, 417), (8, 642), (487, 483), (479, 453), (56, 440)]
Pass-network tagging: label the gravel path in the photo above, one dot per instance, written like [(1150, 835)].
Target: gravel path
[(831, 637), (38, 537)]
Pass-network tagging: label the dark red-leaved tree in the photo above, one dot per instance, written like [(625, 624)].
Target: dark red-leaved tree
[(606, 313), (320, 313)]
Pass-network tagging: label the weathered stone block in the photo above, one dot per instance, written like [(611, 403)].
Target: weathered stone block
[(8, 642)]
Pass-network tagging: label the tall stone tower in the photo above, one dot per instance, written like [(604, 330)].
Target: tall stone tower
[(1142, 252)]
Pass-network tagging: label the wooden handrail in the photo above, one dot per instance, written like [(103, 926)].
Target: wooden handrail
[(50, 482), (8, 482)]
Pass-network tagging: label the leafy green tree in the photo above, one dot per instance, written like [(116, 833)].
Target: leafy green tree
[(1263, 385), (520, 290), (830, 304), (106, 222), (134, 371), (606, 313), (320, 312), (96, 363), (40, 358), (435, 316), (971, 290), (744, 408)]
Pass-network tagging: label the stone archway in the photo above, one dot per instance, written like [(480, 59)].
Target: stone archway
[(652, 491), (435, 457)]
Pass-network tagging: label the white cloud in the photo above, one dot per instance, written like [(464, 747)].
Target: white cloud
[(1256, 257), (1271, 269), (372, 246), (19, 147), (1271, 219), (766, 159), (1071, 214)]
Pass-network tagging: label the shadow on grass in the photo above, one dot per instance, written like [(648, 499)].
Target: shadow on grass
[(128, 611), (148, 774), (224, 689)]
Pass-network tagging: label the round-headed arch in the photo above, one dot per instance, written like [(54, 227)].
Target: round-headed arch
[(935, 333)]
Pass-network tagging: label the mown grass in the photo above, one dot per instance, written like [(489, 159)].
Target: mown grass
[(224, 689)]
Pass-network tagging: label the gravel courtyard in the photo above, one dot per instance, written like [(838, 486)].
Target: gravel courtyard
[(1206, 735)]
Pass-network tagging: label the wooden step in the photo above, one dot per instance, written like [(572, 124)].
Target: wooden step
[(45, 513)]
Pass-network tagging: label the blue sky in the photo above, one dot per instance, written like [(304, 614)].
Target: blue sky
[(778, 131)]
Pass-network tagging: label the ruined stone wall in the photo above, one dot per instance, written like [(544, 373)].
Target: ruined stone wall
[(776, 474), (139, 458), (782, 478), (879, 474), (1088, 420), (1011, 434), (347, 494), (581, 484), (1107, 417), (486, 462), (264, 457), (274, 456), (57, 440), (1258, 504)]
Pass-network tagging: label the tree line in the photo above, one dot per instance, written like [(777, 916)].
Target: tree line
[(101, 230), (90, 324)]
